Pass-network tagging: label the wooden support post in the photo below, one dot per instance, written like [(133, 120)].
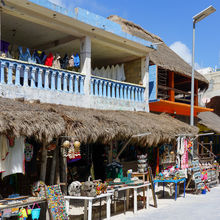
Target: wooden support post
[(53, 166), (57, 174), (196, 98), (63, 169), (171, 92), (43, 163), (110, 153)]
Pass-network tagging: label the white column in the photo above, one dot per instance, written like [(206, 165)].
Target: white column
[(135, 200), (67, 206), (85, 62), (108, 208), (90, 210), (145, 78), (148, 194)]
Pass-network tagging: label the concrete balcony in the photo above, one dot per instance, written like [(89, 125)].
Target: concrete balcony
[(20, 79)]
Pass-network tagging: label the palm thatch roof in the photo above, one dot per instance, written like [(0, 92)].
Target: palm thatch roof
[(210, 120), (25, 119), (163, 56), (46, 121)]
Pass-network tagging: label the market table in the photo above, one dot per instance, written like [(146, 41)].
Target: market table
[(90, 200), (21, 204), (172, 181), (135, 188)]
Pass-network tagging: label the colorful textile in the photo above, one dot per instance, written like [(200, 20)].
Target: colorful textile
[(184, 158), (56, 203)]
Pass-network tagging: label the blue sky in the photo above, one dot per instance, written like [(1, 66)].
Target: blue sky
[(170, 19)]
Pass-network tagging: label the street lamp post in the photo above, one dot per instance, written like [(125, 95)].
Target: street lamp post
[(203, 14)]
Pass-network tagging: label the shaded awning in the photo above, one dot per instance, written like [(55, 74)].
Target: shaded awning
[(210, 120), (175, 107)]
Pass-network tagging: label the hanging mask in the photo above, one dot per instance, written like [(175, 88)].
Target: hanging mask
[(28, 151)]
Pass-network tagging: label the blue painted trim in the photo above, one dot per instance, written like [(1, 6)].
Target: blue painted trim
[(17, 74), (76, 85), (25, 68), (108, 89), (2, 79), (81, 78), (33, 70), (154, 100), (10, 72), (94, 20)]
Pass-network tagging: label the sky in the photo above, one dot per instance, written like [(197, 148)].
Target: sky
[(169, 19)]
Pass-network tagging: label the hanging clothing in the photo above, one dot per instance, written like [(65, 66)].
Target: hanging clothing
[(15, 160), (121, 73), (102, 72), (71, 61), (49, 60), (40, 57), (76, 60), (4, 46), (56, 61), (32, 59), (184, 158), (108, 72), (4, 151), (24, 56), (64, 62)]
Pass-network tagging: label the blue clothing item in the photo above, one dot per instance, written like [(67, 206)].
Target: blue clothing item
[(40, 58), (76, 60), (32, 59), (24, 56), (4, 46)]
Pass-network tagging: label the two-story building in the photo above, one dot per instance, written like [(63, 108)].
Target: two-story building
[(76, 75), (169, 76)]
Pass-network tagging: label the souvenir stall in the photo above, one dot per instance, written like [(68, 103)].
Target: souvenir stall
[(19, 162), (119, 186), (173, 161)]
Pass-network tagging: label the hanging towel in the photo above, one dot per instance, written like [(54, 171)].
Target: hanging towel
[(117, 72), (113, 73), (108, 72), (15, 160), (102, 72)]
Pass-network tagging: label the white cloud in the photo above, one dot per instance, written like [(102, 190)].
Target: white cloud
[(57, 2), (184, 52)]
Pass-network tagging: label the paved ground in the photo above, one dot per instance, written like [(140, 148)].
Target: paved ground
[(193, 207)]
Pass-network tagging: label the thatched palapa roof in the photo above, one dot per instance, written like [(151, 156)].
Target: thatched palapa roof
[(46, 121), (210, 120), (24, 119), (163, 56)]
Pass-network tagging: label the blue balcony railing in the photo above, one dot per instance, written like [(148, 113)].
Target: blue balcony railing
[(19, 73), (24, 74), (115, 89)]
